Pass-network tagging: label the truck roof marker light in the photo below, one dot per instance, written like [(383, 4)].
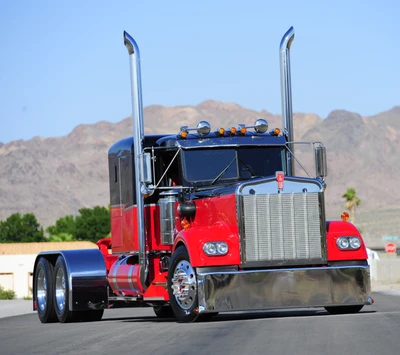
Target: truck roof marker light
[(261, 126), (275, 132), (231, 131), (185, 224), (220, 131), (241, 129), (344, 216), (183, 132), (203, 128)]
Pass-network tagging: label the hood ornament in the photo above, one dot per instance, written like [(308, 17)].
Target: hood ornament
[(280, 177)]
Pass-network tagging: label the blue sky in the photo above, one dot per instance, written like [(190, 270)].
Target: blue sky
[(63, 63)]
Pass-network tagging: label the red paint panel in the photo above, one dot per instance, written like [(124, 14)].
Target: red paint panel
[(336, 229), (116, 226), (152, 218), (215, 220), (124, 230), (157, 290)]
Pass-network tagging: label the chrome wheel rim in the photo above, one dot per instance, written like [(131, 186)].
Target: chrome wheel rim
[(60, 289), (184, 285), (41, 291)]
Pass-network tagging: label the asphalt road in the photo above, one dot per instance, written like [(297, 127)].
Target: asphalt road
[(375, 330)]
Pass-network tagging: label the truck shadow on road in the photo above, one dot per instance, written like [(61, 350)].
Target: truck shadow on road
[(243, 316)]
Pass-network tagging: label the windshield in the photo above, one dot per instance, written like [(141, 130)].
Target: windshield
[(210, 166)]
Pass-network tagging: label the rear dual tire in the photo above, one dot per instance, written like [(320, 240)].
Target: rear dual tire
[(44, 291), (61, 292), (52, 293)]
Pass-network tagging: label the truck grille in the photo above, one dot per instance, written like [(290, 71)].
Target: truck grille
[(282, 228)]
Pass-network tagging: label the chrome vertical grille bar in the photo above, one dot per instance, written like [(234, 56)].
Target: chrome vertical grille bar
[(282, 228)]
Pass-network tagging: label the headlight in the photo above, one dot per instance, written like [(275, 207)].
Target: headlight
[(348, 243), (342, 243), (354, 242), (215, 248), (222, 248)]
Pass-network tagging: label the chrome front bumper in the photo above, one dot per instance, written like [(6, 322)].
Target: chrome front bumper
[(222, 291)]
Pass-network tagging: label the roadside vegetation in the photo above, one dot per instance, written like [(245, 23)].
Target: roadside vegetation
[(91, 224), (6, 294)]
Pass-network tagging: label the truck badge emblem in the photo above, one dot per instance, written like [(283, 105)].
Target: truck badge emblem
[(280, 177)]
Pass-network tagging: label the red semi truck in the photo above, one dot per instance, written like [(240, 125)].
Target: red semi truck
[(209, 221)]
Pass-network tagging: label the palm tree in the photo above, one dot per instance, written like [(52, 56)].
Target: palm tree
[(352, 201)]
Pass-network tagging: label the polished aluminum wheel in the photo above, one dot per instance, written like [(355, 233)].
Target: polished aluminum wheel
[(60, 289), (184, 284), (41, 291)]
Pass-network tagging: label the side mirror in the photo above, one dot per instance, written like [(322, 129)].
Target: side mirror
[(321, 168), (146, 178)]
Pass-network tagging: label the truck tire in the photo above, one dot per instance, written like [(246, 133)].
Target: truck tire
[(44, 291), (182, 287), (344, 309), (61, 292), (164, 312)]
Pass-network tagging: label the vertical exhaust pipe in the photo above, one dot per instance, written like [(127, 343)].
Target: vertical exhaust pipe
[(286, 94), (138, 136)]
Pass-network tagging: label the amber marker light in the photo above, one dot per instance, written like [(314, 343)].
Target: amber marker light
[(232, 130), (183, 134), (185, 224), (243, 130), (275, 132), (221, 131), (345, 216)]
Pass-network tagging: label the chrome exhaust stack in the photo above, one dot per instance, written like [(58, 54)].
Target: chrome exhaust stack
[(138, 137), (286, 94)]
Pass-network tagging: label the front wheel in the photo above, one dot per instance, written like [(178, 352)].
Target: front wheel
[(163, 312), (344, 309), (182, 286)]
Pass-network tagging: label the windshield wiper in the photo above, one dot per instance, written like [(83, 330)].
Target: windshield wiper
[(223, 171), (253, 174)]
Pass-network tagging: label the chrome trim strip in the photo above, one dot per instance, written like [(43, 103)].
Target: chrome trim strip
[(153, 299), (125, 299), (286, 93), (129, 253), (130, 272), (114, 276), (283, 288)]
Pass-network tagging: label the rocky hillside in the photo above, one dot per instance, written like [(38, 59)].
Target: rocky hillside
[(52, 177)]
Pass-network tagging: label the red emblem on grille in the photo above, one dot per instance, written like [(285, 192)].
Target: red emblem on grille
[(280, 177)]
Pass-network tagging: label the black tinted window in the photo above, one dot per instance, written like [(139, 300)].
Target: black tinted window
[(206, 164), (202, 166)]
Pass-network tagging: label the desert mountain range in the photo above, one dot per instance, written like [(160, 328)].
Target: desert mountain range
[(53, 177)]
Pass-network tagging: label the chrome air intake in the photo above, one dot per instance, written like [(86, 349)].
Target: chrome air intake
[(167, 204), (286, 94), (285, 228)]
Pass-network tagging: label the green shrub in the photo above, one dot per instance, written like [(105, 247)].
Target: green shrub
[(6, 294)]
